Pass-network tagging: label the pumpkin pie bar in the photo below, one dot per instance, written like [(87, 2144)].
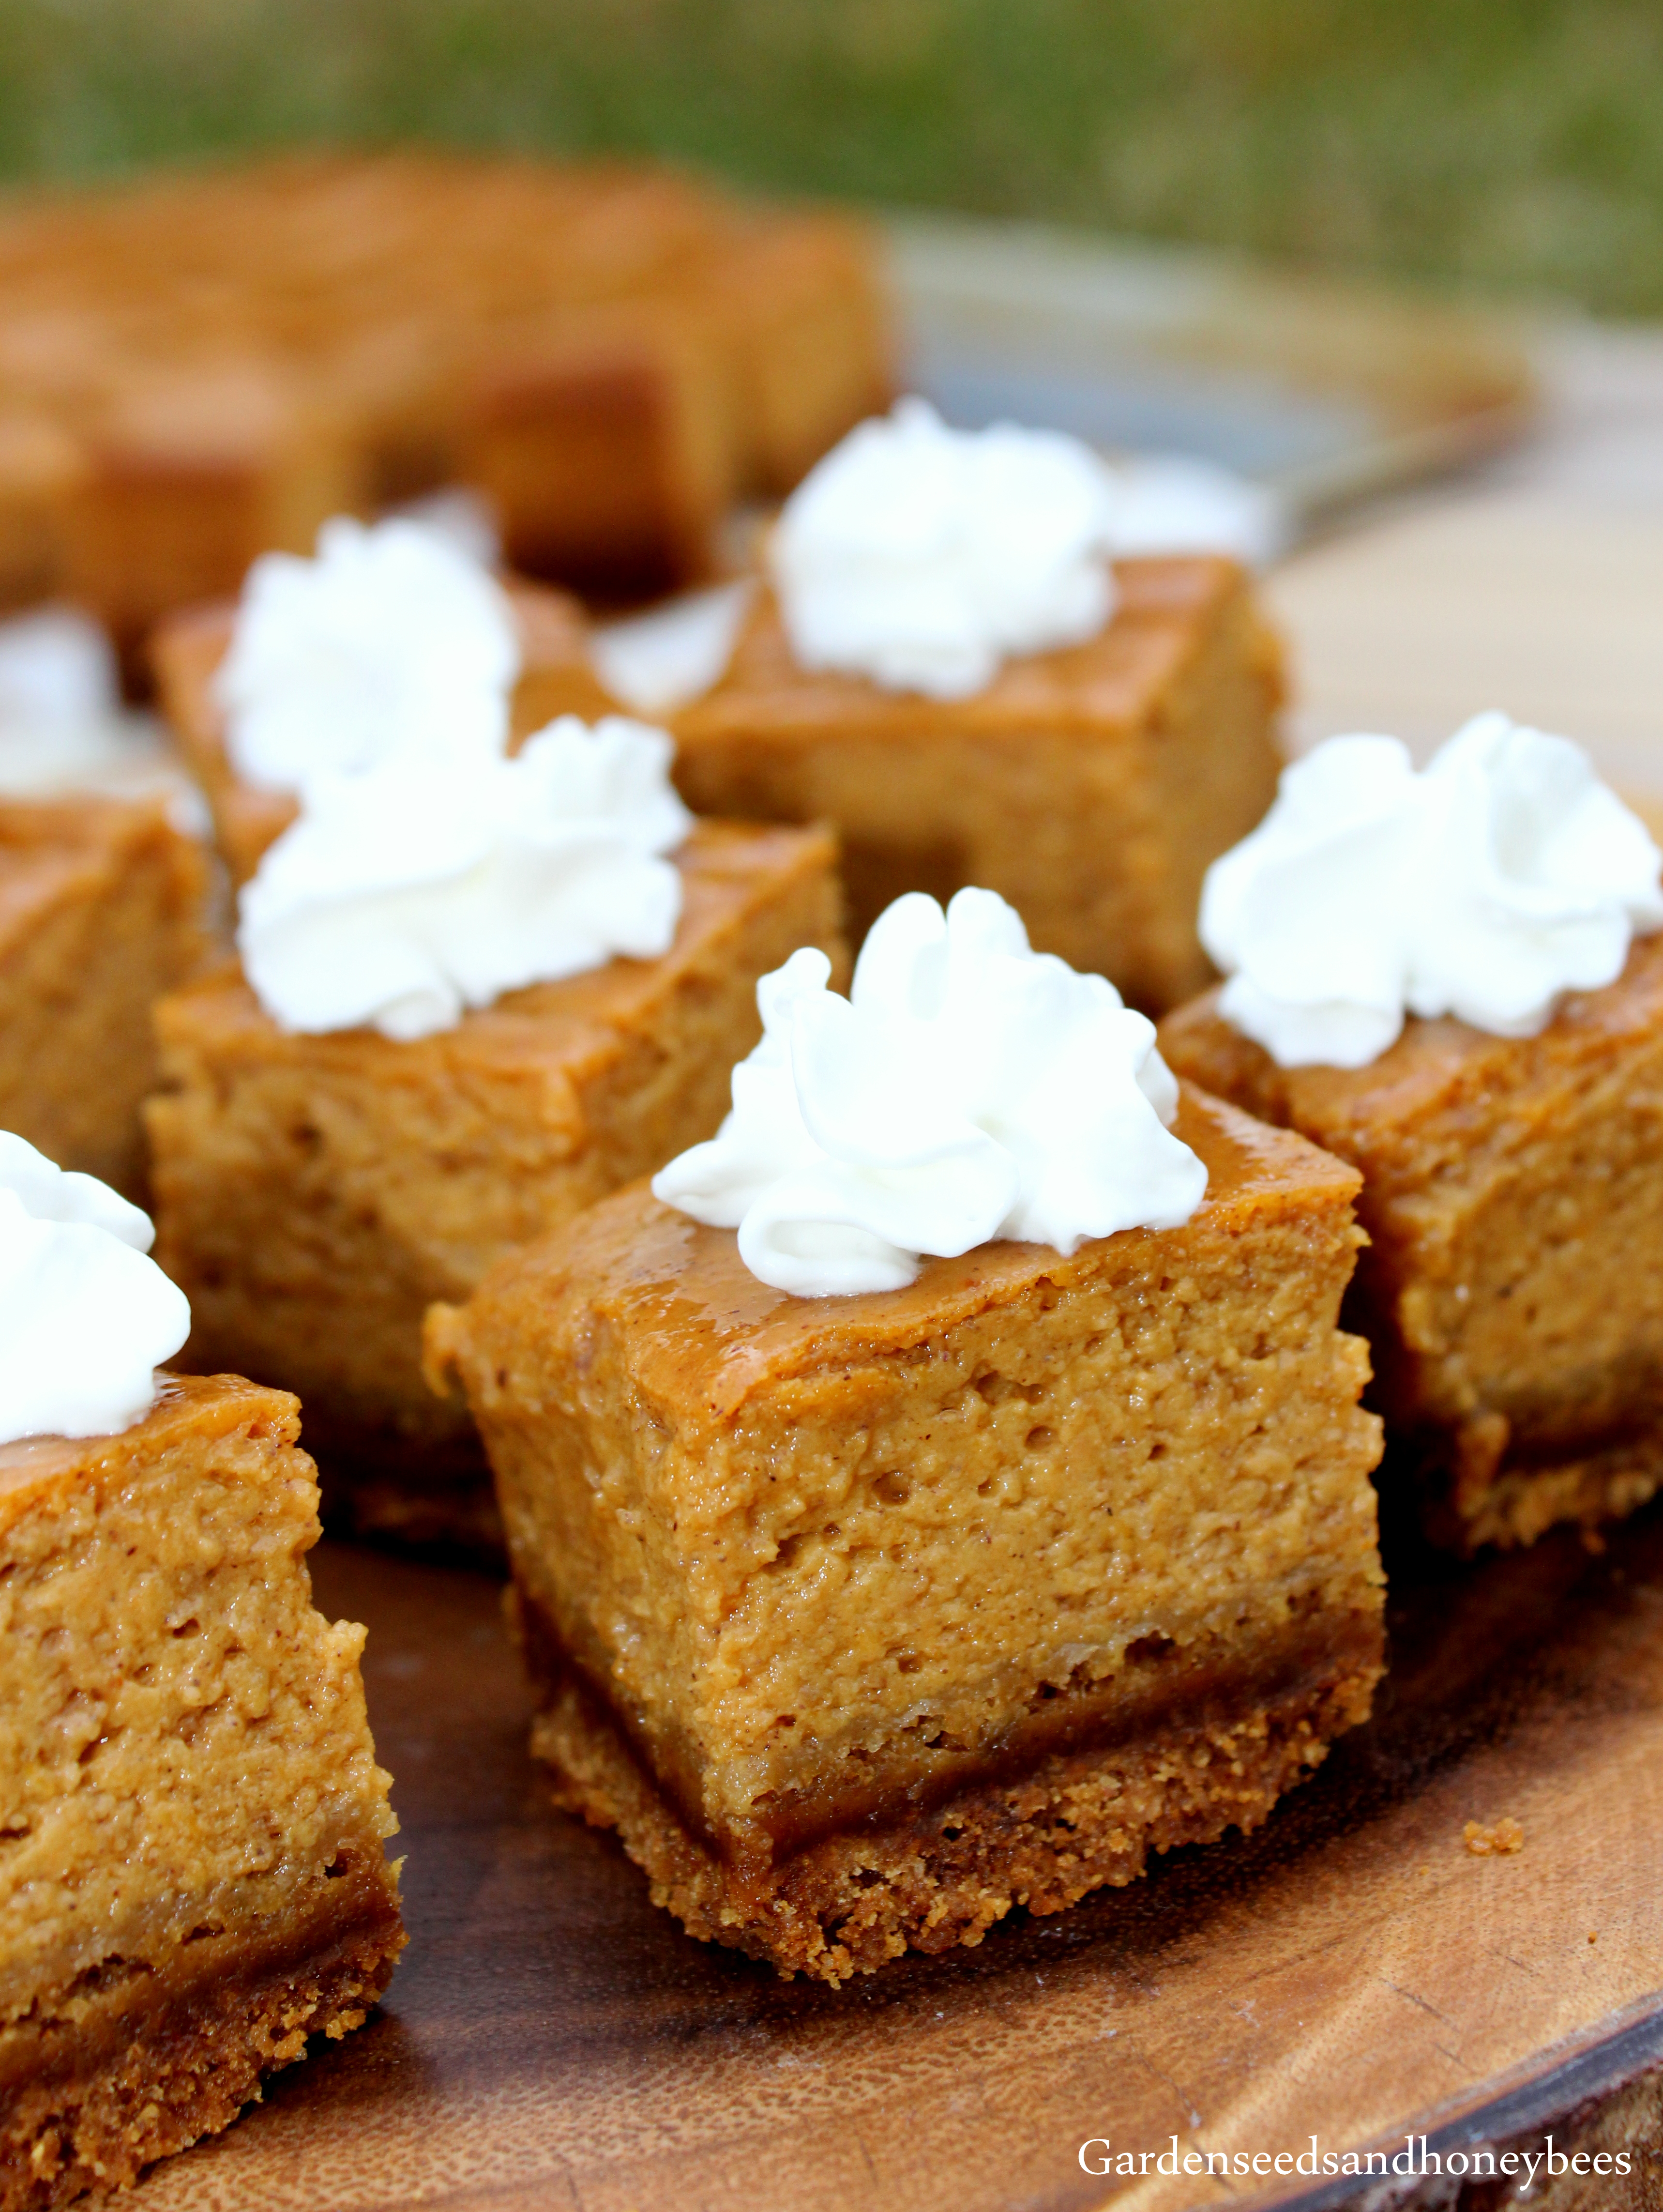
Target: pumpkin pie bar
[(192, 1871), (609, 444), (39, 463), (1512, 1288), (102, 906), (556, 678), (863, 1618), (803, 298), (315, 1194), (613, 440), (1090, 785), (188, 475)]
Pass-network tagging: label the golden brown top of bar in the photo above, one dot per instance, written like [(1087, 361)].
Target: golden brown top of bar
[(35, 881), (1114, 680), (701, 1333), (1444, 1088), (163, 272), (83, 822), (189, 1409), (56, 849), (555, 677), (727, 870)]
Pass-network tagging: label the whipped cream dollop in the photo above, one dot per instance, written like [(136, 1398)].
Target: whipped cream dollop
[(674, 652), (464, 516), (922, 557), (1503, 876), (405, 893), (1181, 503), (58, 672), (85, 1317), (64, 729), (392, 644), (967, 1089)]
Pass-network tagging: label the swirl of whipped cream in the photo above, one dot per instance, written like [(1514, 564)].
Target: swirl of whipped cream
[(403, 895), (660, 661), (86, 1317), (392, 644), (1503, 876), (967, 1089), (921, 557), (63, 730)]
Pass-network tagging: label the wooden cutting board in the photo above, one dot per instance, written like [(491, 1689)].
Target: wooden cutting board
[(1351, 1972)]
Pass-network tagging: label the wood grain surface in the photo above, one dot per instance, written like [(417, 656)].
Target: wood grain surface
[(1547, 606), (1535, 585), (1351, 1972)]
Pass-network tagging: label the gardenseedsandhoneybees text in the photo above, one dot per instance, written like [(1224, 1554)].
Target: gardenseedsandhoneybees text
[(1478, 2162)]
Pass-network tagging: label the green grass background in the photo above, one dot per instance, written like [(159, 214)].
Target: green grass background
[(1513, 144)]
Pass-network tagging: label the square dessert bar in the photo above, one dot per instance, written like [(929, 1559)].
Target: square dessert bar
[(1512, 1289), (613, 436), (1090, 788), (314, 1194), (186, 477), (102, 906), (863, 1618), (609, 444), (186, 652), (39, 463), (802, 298), (193, 1878)]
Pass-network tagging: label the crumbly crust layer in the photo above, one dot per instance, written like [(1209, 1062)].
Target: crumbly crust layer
[(1158, 1693), (1471, 1494), (165, 2060), (934, 1880)]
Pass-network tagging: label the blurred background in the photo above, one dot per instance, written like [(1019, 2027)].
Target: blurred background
[(1394, 266), (1513, 145)]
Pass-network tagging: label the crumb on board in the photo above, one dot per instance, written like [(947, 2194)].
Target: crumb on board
[(1506, 1836)]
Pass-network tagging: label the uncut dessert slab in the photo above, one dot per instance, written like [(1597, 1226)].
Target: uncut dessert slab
[(1352, 1971)]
